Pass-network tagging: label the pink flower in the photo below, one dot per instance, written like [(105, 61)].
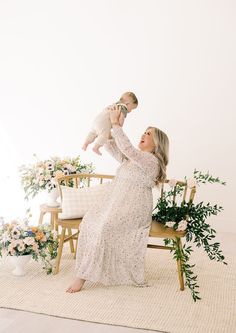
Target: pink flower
[(29, 241), (182, 225), (59, 173), (35, 248)]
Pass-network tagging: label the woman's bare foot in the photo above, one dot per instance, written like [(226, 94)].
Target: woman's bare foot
[(76, 286)]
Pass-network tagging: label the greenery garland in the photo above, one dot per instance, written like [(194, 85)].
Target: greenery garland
[(197, 230)]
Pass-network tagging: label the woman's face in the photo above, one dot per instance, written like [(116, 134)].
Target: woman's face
[(147, 143)]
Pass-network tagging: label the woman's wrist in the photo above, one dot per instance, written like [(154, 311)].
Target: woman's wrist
[(115, 124)]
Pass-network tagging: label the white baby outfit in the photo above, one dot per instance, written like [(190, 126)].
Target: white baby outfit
[(101, 126)]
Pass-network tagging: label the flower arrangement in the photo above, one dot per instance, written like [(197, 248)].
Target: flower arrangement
[(18, 238), (191, 218), (43, 174)]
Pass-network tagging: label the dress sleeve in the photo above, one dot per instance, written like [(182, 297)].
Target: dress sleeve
[(113, 150), (144, 160)]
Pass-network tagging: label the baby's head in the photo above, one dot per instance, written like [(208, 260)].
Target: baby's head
[(130, 100)]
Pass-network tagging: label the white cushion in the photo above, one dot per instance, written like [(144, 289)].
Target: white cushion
[(77, 201), (156, 195)]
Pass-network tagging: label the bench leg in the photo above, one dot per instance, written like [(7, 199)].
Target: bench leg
[(179, 266), (41, 218), (59, 251), (72, 248)]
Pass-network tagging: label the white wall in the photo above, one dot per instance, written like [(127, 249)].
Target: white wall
[(62, 61)]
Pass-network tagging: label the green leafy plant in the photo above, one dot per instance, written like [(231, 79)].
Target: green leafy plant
[(191, 218)]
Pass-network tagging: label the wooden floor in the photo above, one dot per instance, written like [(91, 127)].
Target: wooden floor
[(12, 321)]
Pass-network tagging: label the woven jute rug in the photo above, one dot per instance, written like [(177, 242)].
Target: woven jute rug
[(160, 306)]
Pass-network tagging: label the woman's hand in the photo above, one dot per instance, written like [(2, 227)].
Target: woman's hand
[(114, 115)]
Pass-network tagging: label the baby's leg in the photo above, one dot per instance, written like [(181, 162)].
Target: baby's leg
[(101, 139), (89, 139), (96, 149)]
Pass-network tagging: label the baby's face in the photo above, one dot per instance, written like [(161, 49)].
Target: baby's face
[(127, 100)]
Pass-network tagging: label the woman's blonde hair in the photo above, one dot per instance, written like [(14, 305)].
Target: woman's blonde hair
[(161, 151)]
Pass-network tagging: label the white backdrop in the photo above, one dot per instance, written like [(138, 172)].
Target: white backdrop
[(63, 61)]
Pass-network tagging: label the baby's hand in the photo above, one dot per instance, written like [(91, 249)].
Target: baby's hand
[(114, 114), (111, 107)]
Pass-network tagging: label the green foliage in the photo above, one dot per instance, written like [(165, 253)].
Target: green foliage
[(199, 232)]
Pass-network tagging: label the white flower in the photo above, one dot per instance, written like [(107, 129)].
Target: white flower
[(49, 186), (53, 181), (172, 182), (50, 166), (40, 171), (21, 247), (70, 167), (182, 225), (191, 183), (5, 237), (15, 233), (47, 177), (170, 224)]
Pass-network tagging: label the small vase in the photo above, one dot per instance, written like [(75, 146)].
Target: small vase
[(51, 199), (20, 262)]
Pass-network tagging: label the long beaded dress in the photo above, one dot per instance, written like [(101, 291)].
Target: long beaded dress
[(114, 232)]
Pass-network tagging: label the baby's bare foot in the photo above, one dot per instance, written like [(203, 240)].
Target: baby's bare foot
[(76, 286), (96, 150), (85, 145)]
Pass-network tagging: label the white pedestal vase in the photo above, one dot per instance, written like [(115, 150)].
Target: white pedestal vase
[(51, 198), (19, 263)]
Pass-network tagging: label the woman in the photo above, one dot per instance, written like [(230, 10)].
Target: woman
[(114, 234)]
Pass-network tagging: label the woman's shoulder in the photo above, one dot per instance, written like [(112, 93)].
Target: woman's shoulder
[(151, 157)]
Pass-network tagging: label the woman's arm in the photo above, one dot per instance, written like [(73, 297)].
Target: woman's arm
[(113, 150), (110, 145), (145, 160)]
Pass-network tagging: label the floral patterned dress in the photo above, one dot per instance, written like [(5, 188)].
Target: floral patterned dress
[(114, 233)]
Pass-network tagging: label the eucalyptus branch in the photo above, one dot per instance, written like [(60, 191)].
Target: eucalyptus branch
[(183, 254), (206, 178)]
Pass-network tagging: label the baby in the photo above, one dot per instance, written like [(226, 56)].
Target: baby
[(101, 127)]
